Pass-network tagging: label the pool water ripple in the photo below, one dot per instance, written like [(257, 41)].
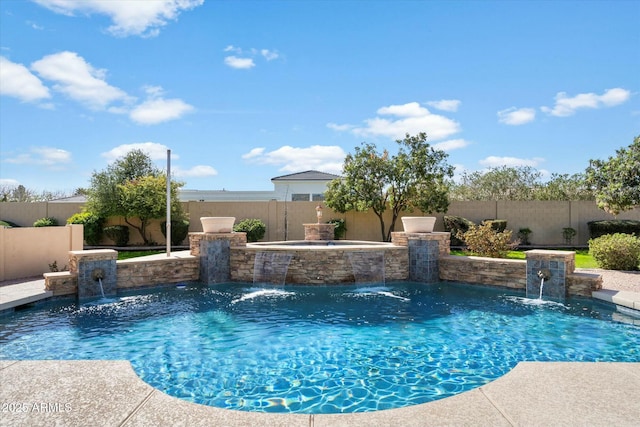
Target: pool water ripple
[(326, 349)]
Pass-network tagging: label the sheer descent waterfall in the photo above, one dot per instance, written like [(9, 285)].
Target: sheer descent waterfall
[(271, 267)]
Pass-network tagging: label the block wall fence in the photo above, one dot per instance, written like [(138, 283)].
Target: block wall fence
[(284, 220)]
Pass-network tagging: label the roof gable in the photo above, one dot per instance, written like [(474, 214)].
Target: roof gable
[(310, 175)]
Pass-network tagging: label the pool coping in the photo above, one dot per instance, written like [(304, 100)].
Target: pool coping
[(109, 393)]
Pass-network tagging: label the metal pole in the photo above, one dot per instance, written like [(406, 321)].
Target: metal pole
[(168, 233)]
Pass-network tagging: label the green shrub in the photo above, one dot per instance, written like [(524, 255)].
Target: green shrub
[(457, 225), (179, 231), (46, 222), (613, 226), (523, 235), (254, 228), (568, 234), (340, 227), (118, 233), (484, 240), (618, 251), (92, 226), (497, 224), (4, 223)]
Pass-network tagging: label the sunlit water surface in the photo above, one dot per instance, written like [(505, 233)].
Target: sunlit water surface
[(320, 349)]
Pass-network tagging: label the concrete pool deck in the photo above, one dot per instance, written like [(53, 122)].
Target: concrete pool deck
[(109, 393)]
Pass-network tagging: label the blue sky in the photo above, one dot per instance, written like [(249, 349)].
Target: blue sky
[(244, 91)]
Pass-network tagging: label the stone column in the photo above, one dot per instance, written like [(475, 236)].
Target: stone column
[(214, 250), (92, 268), (425, 250), (319, 231), (554, 266)]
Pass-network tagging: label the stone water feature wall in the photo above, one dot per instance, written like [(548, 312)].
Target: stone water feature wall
[(88, 266), (321, 265), (214, 252), (511, 273), (424, 252), (131, 273)]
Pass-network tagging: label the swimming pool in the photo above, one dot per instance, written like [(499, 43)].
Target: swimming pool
[(320, 349)]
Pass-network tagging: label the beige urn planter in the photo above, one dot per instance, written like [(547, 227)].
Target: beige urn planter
[(217, 224), (418, 224)]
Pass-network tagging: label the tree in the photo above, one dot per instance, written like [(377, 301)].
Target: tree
[(132, 187), (616, 182), (564, 187), (503, 183), (102, 196), (145, 198), (415, 178)]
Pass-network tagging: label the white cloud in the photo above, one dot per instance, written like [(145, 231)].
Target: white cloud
[(18, 82), (142, 18), (239, 63), (496, 161), (199, 171), (451, 144), (295, 159), (255, 152), (410, 118), (516, 116), (339, 128), (445, 104), (566, 106), (77, 79), (269, 55), (245, 58), (44, 156), (154, 111), (154, 150), (9, 183)]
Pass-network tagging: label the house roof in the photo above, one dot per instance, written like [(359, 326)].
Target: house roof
[(310, 175)]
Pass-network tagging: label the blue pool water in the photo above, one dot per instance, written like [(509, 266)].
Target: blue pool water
[(325, 349)]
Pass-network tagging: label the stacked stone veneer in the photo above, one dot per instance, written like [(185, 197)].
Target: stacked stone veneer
[(484, 271), (320, 265), (85, 264), (315, 265), (514, 273), (214, 251), (132, 273), (319, 231), (424, 252)]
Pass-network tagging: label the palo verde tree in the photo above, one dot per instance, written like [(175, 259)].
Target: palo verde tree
[(133, 188), (415, 178), (616, 182)]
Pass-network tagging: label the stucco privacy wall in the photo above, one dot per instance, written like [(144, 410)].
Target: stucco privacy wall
[(284, 220), (28, 251)]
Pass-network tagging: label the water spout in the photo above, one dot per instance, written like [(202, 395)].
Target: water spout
[(98, 275), (543, 274)]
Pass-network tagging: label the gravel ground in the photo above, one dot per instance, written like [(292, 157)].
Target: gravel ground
[(616, 280)]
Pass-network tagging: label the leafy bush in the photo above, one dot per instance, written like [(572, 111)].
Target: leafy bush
[(254, 228), (484, 240), (457, 225), (179, 230), (568, 234), (600, 228), (118, 233), (618, 251), (340, 227), (497, 224), (523, 235), (4, 223), (92, 226), (46, 222)]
